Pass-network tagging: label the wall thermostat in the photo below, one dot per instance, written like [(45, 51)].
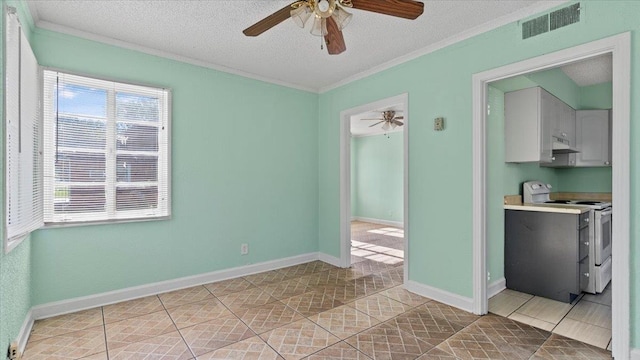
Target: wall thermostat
[(438, 124)]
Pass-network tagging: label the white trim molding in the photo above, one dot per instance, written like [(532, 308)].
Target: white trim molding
[(496, 287), (329, 259), (25, 331), (345, 175), (398, 224), (620, 48), (87, 302), (443, 296)]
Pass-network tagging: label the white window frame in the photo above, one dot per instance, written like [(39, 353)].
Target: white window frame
[(22, 120), (110, 215)]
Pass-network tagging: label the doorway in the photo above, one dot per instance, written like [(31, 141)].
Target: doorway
[(582, 91), (619, 47), (380, 232)]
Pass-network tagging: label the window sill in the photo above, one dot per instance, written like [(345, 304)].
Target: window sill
[(103, 222), (12, 244)]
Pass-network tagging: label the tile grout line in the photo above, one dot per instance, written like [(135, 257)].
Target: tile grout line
[(567, 314), (245, 324), (104, 328), (176, 325)]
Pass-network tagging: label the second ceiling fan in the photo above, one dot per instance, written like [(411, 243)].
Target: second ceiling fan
[(330, 17), (390, 120)]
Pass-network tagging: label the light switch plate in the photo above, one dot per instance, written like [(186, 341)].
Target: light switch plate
[(438, 124)]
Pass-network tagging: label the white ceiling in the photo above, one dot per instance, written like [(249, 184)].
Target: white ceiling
[(209, 33), (592, 71)]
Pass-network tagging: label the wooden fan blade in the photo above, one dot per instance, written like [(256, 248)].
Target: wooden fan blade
[(269, 22), (334, 39), (399, 123), (399, 117), (376, 123), (408, 9)]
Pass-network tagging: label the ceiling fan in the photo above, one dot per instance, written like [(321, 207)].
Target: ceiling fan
[(390, 120), (330, 17)]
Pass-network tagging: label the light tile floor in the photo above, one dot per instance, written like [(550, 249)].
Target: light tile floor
[(313, 311), (588, 319)]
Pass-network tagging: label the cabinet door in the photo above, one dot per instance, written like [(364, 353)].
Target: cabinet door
[(592, 138), (568, 129), (522, 142), (563, 119), (547, 123)]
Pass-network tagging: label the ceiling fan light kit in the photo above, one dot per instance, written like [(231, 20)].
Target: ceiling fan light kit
[(389, 120), (330, 17), (321, 9)]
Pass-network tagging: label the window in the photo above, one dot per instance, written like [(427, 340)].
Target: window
[(106, 150), (23, 177)]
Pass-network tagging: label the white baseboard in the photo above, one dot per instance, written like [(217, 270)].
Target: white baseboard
[(329, 259), (495, 287), (25, 331), (634, 354), (398, 224), (87, 302), (455, 300)]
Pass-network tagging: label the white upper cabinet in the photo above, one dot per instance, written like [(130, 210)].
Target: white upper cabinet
[(593, 137), (528, 125), (565, 125)]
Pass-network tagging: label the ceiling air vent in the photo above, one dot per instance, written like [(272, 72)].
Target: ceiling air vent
[(552, 21), (565, 16), (535, 26)]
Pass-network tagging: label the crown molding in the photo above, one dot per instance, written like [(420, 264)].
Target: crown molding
[(163, 54), (496, 23), (503, 20)]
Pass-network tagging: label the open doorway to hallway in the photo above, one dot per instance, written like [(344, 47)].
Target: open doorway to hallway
[(373, 186), (377, 186)]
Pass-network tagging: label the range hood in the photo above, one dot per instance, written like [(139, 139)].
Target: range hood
[(562, 146)]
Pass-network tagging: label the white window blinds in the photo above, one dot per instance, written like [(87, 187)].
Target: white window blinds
[(106, 150), (23, 182)]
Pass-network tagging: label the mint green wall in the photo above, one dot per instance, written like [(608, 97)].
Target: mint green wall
[(596, 97), (378, 186), (513, 84), (596, 179), (559, 84), (244, 170), (440, 163), (15, 267)]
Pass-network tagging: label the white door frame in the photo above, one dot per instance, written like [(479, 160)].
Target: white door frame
[(345, 175), (619, 46)]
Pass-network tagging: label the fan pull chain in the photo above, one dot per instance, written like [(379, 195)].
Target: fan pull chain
[(321, 43)]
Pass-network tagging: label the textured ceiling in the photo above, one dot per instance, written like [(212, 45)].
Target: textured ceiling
[(209, 33), (592, 71)]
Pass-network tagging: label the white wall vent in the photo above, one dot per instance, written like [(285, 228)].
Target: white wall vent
[(552, 21), (537, 26), (565, 16)]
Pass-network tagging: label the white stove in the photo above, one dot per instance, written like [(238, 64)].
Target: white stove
[(536, 192)]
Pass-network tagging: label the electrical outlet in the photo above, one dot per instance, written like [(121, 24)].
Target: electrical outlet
[(488, 276), (12, 354), (244, 249)]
